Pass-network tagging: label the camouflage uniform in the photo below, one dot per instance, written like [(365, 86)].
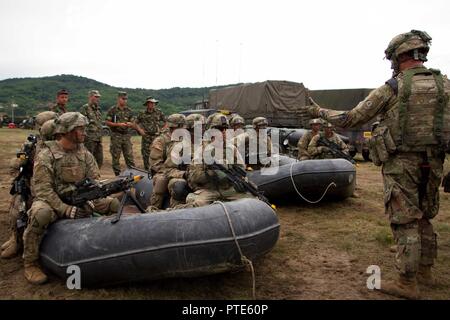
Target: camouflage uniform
[(151, 122), (303, 144), (212, 185), (409, 143), (93, 140), (120, 137), (55, 172), (44, 123), (165, 172), (59, 109), (321, 152)]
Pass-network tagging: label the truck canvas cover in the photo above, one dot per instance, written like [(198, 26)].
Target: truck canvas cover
[(278, 101)]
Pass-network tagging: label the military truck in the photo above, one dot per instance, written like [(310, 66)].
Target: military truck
[(280, 102)]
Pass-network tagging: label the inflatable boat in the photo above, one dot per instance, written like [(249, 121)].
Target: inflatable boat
[(141, 247), (292, 181)]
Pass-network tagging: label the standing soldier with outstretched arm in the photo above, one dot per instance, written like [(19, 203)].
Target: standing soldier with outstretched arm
[(410, 144), (93, 113)]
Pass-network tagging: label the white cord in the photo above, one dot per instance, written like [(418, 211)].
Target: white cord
[(244, 259), (332, 184)]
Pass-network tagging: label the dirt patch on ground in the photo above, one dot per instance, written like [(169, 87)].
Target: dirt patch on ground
[(323, 251)]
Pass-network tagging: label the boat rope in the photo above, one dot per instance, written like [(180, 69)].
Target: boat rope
[(332, 184), (244, 259)]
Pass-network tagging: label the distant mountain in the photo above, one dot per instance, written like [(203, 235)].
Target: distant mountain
[(33, 95)]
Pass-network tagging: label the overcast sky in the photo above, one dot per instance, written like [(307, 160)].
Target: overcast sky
[(164, 44)]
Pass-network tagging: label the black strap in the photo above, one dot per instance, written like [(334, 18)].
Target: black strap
[(393, 83)]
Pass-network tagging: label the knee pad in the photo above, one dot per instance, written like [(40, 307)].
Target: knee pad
[(179, 190), (160, 184), (40, 218), (114, 205)]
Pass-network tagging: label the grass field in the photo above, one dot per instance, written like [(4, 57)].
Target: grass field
[(323, 251)]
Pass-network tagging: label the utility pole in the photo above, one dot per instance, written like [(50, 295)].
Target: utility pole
[(13, 105)]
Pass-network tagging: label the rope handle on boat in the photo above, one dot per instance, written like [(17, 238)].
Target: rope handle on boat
[(244, 259), (332, 184)]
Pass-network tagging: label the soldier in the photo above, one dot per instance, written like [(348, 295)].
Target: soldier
[(57, 168), (303, 143), (254, 158), (237, 122), (316, 151), (44, 124), (120, 119), (93, 113), (165, 171), (60, 107), (149, 124), (210, 185), (410, 143)]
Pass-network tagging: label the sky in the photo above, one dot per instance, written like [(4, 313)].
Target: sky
[(199, 43)]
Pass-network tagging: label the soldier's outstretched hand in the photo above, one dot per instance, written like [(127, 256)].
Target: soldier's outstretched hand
[(313, 108)]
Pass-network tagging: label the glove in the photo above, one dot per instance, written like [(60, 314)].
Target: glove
[(313, 108), (322, 149), (85, 211)]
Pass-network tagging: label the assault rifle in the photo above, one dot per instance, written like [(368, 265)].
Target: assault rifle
[(237, 176), (20, 185), (89, 189), (334, 149)]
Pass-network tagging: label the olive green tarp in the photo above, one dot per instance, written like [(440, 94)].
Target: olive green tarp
[(278, 101)]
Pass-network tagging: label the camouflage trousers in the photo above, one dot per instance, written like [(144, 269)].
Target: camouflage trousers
[(164, 184), (146, 142), (14, 212), (410, 208), (121, 143), (96, 148), (204, 197), (41, 215)]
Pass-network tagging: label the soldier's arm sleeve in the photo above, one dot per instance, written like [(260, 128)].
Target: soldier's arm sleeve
[(83, 111), (157, 155), (366, 110), (343, 146), (313, 150), (44, 184)]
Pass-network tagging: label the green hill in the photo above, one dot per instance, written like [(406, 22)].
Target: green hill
[(33, 95)]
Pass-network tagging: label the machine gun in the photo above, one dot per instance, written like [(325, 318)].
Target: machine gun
[(334, 149), (20, 185), (89, 189), (237, 176)]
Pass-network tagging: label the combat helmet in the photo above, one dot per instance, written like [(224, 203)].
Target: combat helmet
[(237, 119), (328, 125), (415, 40), (69, 121), (194, 117), (43, 117), (47, 130), (218, 121), (176, 120), (315, 121), (260, 121)]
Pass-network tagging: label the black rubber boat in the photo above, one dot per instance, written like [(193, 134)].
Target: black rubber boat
[(292, 181), (142, 247), (306, 181)]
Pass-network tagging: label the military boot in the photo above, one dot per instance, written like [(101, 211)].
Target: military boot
[(393, 248), (8, 242), (404, 287), (10, 251), (425, 276), (34, 274)]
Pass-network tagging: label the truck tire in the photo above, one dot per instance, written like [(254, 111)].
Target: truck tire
[(366, 155)]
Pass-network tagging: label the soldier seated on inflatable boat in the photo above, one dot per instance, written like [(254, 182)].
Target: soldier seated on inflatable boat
[(318, 151), (303, 143), (209, 185), (22, 191), (58, 167)]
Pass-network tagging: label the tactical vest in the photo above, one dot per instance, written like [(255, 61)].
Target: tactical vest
[(421, 117)]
